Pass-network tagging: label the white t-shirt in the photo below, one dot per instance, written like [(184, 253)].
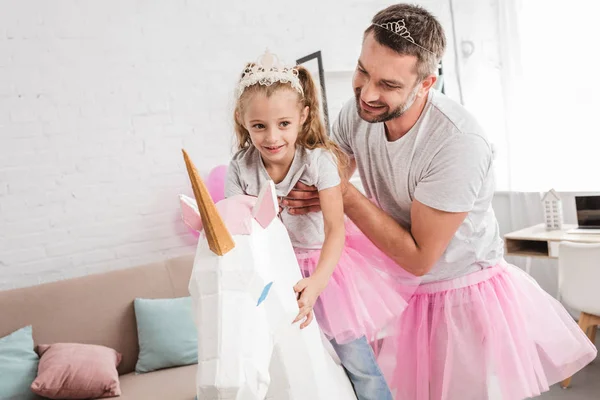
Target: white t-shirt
[(247, 175), (445, 162)]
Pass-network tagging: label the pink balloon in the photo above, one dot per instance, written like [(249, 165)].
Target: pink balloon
[(215, 182)]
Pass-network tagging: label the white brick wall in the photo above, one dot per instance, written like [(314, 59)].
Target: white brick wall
[(98, 97)]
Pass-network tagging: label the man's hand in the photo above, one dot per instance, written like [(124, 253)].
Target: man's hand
[(302, 200)]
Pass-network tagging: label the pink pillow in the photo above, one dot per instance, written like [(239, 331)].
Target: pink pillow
[(77, 371)]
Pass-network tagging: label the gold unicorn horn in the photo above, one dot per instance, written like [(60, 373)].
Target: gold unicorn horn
[(219, 239)]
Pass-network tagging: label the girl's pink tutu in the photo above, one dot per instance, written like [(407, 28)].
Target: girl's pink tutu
[(492, 331), (366, 292)]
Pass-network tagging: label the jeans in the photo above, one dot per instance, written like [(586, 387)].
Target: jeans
[(359, 362)]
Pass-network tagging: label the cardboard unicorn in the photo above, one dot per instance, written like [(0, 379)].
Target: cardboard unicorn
[(244, 304)]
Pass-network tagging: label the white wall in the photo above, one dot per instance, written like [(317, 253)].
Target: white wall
[(97, 98)]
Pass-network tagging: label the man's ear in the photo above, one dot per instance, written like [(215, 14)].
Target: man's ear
[(304, 115), (426, 85)]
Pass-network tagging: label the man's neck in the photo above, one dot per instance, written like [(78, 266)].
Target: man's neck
[(398, 127)]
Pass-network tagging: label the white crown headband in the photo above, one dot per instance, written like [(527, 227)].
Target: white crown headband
[(399, 28), (268, 70)]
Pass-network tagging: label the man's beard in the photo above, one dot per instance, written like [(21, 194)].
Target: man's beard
[(391, 114)]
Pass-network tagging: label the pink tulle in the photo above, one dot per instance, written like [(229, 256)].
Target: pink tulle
[(365, 294), (406, 283), (494, 330)]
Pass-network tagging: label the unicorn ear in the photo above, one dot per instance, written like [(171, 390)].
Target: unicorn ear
[(190, 213), (266, 207)]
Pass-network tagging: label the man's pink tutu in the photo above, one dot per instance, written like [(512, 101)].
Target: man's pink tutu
[(365, 294), (494, 329)]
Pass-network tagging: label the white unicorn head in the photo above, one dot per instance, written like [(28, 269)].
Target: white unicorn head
[(244, 304)]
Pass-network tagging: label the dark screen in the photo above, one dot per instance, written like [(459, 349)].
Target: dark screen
[(588, 211)]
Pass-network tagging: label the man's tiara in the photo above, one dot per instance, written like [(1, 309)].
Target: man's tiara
[(399, 28), (267, 70)]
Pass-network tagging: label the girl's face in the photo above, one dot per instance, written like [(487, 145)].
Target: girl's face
[(273, 123)]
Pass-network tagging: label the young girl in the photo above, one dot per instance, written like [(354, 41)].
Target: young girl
[(281, 137)]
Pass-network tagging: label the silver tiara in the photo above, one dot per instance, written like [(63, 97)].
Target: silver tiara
[(399, 28), (266, 71)]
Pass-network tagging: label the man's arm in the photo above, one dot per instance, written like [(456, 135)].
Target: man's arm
[(443, 198), (416, 251)]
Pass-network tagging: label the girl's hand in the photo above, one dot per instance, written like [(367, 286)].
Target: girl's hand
[(308, 290)]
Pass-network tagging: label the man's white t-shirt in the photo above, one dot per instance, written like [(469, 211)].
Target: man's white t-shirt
[(445, 162)]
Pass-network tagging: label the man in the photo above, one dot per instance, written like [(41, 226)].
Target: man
[(427, 165)]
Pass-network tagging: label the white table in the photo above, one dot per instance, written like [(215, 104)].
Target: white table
[(536, 241)]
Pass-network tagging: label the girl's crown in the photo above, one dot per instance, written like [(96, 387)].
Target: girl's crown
[(266, 71)]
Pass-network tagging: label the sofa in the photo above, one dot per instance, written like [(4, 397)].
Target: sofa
[(99, 309)]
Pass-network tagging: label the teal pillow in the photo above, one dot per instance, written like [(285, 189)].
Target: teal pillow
[(166, 333), (18, 365)]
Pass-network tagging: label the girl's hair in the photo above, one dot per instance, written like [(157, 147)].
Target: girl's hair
[(312, 134)]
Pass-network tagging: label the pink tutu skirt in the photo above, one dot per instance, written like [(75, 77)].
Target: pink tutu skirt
[(493, 331), (365, 294)]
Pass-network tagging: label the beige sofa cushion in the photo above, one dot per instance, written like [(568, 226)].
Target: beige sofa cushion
[(95, 309), (173, 383)]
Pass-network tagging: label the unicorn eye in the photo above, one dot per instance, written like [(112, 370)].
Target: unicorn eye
[(264, 294)]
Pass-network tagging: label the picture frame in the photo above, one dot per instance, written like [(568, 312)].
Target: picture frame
[(314, 64), (439, 84)]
